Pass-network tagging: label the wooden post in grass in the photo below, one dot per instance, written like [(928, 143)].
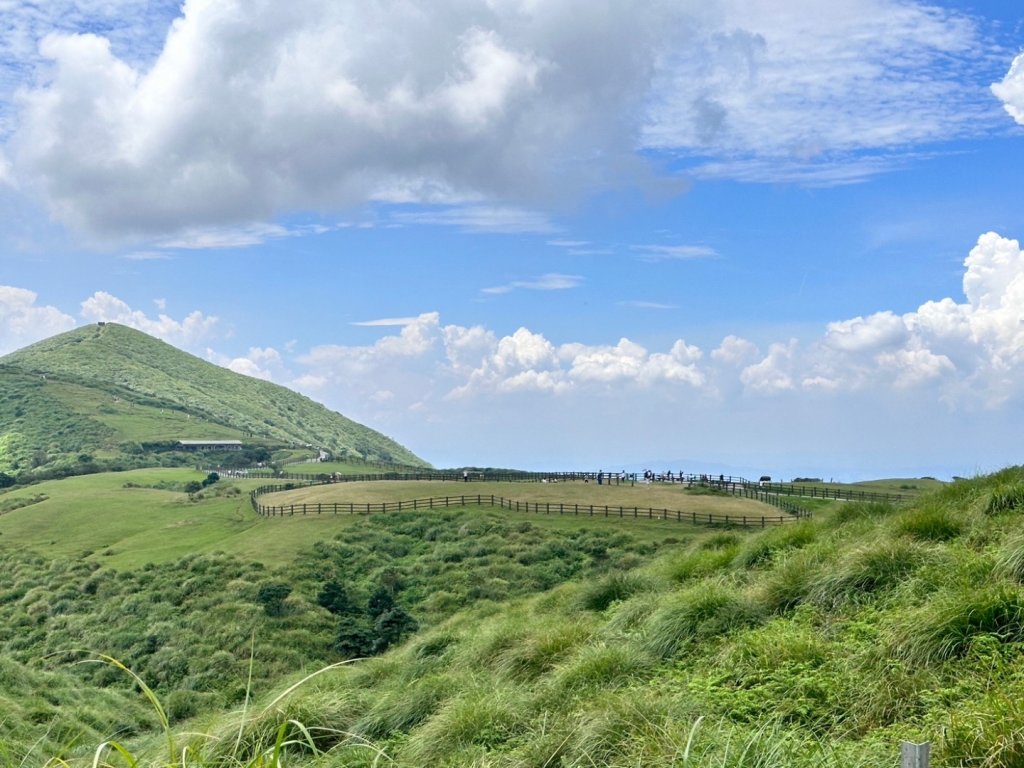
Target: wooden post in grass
[(914, 755)]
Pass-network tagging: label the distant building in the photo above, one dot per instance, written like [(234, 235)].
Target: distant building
[(210, 445)]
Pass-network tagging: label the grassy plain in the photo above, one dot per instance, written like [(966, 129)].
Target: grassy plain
[(656, 495), (127, 519), (904, 486), (819, 644)]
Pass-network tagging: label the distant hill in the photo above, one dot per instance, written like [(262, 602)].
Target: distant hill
[(108, 392)]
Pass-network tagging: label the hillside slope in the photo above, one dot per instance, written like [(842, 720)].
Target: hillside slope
[(107, 389)]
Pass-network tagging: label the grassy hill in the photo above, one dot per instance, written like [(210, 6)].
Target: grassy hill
[(519, 641), (107, 392)]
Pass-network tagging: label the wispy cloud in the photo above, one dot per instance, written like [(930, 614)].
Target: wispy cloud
[(482, 218), (647, 305), (553, 281), (669, 252), (146, 256), (387, 322)]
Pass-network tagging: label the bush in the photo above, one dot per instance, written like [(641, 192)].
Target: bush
[(1006, 498), (272, 596)]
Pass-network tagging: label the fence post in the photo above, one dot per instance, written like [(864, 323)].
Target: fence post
[(914, 755)]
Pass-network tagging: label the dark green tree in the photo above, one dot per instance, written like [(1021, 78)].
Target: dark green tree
[(335, 598), (381, 601), (354, 639), (272, 596), (391, 626)]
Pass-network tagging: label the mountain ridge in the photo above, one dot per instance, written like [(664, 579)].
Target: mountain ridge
[(107, 390)]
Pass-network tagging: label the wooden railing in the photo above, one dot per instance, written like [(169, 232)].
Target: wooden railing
[(513, 505)]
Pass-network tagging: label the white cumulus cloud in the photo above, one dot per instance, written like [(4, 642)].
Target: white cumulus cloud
[(23, 322), (1010, 90), (187, 333), (193, 122)]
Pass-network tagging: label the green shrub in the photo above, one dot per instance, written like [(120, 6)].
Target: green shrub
[(537, 652), (477, 721), (398, 709), (272, 596), (600, 666), (854, 511), (986, 733), (1010, 559), (790, 581), (700, 564)]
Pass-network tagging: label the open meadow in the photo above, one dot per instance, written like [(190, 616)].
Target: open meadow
[(128, 519), (662, 496), (483, 638)]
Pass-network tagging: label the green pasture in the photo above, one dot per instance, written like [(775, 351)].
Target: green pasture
[(910, 486), (128, 519), (657, 496), (332, 468)]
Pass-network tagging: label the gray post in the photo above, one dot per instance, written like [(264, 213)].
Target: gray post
[(914, 755)]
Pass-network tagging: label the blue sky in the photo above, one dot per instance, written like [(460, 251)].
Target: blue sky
[(734, 235)]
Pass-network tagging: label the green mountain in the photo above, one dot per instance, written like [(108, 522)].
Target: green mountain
[(108, 392)]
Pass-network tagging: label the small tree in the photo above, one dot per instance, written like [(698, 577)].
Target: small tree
[(381, 601), (6, 481), (272, 596), (354, 639), (334, 597), (391, 626)]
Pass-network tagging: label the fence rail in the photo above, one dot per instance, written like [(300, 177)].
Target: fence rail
[(727, 483), (513, 505), (731, 486)]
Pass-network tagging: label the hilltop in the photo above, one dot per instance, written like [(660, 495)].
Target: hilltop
[(108, 392)]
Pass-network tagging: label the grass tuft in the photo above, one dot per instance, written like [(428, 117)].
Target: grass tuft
[(765, 547), (704, 612), (613, 588), (929, 523), (945, 629), (1010, 560), (871, 568)]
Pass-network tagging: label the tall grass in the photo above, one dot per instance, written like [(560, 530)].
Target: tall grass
[(698, 614), (764, 548), (870, 568), (945, 628)]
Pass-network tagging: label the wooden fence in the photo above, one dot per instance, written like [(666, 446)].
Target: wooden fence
[(730, 486), (727, 483), (513, 505)]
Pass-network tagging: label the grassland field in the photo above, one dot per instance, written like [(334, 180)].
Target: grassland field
[(656, 496), (128, 519), (815, 645)]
